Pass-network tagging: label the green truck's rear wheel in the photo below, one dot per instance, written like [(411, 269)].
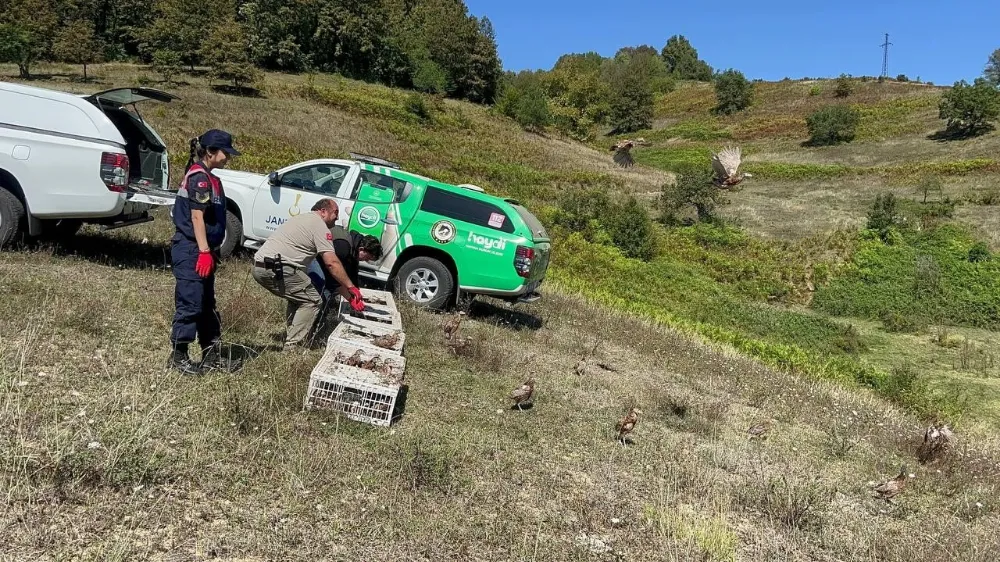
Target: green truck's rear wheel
[(426, 282)]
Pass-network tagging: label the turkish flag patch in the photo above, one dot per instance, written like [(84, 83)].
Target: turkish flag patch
[(329, 236), (203, 184)]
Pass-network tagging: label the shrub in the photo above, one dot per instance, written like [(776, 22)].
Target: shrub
[(970, 110), (979, 252), (832, 125), (902, 78), (844, 87), (523, 99), (631, 229), (693, 188), (416, 105), (632, 103), (815, 90), (733, 92), (884, 215), (899, 322)]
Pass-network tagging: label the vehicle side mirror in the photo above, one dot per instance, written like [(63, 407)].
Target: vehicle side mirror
[(273, 179)]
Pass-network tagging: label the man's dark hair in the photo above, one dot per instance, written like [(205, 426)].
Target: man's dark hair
[(371, 245), (324, 203)]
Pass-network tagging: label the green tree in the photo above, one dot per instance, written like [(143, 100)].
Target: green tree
[(182, 26), (25, 30), (228, 52), (523, 99), (631, 107), (275, 30), (167, 63), (631, 229), (693, 189), (580, 97), (681, 60), (832, 124), (733, 92), (992, 70), (843, 87), (76, 43), (970, 109)]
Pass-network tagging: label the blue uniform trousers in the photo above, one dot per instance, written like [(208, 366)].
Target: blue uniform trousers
[(194, 299)]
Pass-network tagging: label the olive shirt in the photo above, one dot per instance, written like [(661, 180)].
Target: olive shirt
[(299, 240)]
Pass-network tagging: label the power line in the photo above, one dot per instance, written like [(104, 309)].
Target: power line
[(885, 57)]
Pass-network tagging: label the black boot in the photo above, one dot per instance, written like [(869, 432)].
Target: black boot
[(212, 359), (180, 361)]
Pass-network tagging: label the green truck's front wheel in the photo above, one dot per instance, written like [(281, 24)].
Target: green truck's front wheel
[(425, 282)]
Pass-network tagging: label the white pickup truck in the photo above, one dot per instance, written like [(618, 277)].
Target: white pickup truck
[(259, 204), (68, 159)]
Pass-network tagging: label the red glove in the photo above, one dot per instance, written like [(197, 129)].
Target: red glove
[(357, 304), (205, 264), (356, 292)]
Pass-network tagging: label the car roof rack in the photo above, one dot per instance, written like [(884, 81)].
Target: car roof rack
[(373, 160)]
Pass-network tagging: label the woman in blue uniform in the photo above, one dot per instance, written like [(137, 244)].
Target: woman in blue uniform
[(200, 221)]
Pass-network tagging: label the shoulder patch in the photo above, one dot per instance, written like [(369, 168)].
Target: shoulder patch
[(329, 236), (202, 197), (203, 184)]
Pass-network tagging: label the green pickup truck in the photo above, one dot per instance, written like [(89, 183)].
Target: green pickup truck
[(441, 241)]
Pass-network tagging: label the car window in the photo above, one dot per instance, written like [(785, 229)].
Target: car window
[(378, 180), (316, 178), (460, 207)]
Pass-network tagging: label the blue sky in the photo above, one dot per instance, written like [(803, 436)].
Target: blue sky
[(769, 39)]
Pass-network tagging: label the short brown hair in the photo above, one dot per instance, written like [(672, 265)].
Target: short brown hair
[(323, 204)]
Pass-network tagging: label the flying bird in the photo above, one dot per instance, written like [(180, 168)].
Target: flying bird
[(726, 165), (523, 393), (622, 156), (627, 424), (892, 487)]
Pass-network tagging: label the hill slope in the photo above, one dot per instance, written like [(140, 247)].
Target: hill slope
[(231, 469)]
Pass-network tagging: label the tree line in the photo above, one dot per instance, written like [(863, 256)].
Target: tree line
[(586, 90), (434, 46)]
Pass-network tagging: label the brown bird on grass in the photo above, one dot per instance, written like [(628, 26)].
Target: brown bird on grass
[(627, 424), (523, 393), (451, 325), (892, 487), (759, 430), (726, 165), (581, 367), (622, 148), (938, 440)]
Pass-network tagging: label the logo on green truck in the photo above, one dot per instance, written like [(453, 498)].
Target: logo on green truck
[(369, 216)]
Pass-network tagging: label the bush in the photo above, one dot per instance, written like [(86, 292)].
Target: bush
[(970, 110), (631, 229), (831, 125), (693, 189), (979, 252), (844, 87), (523, 99), (416, 105), (884, 216), (815, 91), (902, 78), (733, 92)]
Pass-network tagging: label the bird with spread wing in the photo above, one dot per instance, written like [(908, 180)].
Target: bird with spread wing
[(726, 165), (622, 148)]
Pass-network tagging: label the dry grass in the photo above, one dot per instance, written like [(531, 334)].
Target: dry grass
[(109, 457)]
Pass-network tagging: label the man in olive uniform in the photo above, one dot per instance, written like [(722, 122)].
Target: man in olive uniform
[(351, 248), (297, 243)]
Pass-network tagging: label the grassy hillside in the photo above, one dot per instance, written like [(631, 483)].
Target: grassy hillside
[(842, 362)]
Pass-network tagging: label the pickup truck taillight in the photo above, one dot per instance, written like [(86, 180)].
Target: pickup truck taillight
[(114, 171), (522, 260)]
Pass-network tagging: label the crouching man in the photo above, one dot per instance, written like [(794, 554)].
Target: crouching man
[(281, 263), (351, 248)]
